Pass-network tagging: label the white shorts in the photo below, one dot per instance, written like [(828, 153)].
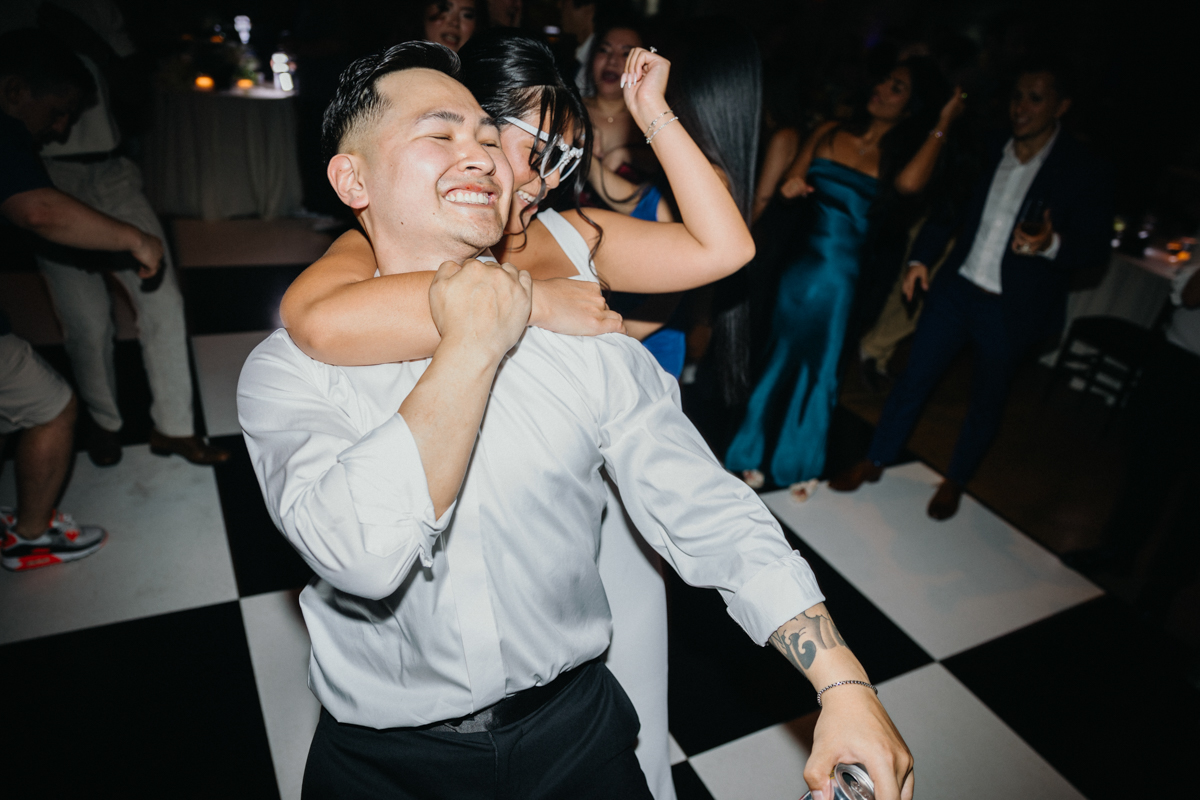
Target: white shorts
[(31, 392)]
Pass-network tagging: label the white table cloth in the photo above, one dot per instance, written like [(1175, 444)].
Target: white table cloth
[(217, 155)]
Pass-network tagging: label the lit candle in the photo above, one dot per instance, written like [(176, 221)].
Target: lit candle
[(245, 83), (204, 82)]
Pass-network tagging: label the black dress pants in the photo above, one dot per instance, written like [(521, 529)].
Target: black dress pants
[(579, 745), (957, 314)]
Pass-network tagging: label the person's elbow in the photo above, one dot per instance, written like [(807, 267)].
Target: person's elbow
[(313, 338), (908, 185), (30, 210), (746, 251)]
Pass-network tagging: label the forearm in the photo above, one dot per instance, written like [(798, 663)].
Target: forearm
[(444, 411), (812, 644), (915, 175), (706, 209), (374, 321), (60, 218)]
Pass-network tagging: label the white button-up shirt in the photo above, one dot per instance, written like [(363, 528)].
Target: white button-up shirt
[(415, 619), (1010, 184)]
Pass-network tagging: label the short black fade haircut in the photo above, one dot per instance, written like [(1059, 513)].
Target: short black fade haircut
[(45, 63), (1064, 85), (357, 100)]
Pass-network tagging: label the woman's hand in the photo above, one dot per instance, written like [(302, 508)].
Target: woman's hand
[(795, 186), (953, 109), (645, 82), (853, 728), (573, 307)]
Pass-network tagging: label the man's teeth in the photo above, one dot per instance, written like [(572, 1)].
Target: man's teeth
[(526, 197), (475, 198)]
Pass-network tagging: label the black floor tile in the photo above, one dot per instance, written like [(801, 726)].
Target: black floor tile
[(235, 299), (133, 391), (263, 561), (883, 648), (164, 706), (724, 687), (688, 785), (1097, 691)]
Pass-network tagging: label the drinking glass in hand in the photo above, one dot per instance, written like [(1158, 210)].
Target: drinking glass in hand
[(1033, 218)]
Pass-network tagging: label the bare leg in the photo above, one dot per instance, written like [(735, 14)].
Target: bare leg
[(43, 458)]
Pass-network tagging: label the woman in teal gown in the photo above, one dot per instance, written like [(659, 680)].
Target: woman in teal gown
[(845, 171)]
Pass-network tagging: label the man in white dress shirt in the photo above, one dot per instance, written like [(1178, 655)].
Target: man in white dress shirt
[(457, 613), (1001, 289)]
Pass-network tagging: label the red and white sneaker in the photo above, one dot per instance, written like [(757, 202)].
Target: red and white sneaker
[(61, 542)]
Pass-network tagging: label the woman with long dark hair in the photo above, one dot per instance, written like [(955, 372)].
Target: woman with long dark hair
[(339, 313), (852, 172)]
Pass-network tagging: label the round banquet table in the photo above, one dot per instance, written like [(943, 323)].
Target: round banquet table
[(1132, 288), (217, 155)]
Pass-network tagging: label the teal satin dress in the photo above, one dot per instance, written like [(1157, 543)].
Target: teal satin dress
[(793, 402)]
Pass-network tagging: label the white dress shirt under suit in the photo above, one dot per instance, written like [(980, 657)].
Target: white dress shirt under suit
[(415, 619), (1005, 198)]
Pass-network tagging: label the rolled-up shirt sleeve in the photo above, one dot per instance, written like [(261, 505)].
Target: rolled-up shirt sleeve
[(354, 503), (708, 525)]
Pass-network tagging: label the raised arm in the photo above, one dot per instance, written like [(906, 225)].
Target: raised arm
[(916, 173), (339, 313), (316, 464), (480, 310), (711, 240)]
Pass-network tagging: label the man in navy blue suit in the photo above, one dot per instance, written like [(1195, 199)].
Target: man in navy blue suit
[(1043, 210)]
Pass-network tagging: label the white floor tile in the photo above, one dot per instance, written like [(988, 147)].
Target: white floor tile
[(219, 359), (279, 649), (766, 765), (166, 550), (960, 748), (949, 585), (675, 751)]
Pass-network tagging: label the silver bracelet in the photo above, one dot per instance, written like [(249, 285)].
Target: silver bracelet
[(870, 686), (650, 138), (650, 127)]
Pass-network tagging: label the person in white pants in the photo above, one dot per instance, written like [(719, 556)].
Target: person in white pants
[(87, 167)]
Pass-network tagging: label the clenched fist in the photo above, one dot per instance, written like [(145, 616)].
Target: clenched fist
[(484, 307)]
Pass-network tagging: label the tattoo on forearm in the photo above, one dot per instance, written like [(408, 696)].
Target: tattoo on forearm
[(801, 638)]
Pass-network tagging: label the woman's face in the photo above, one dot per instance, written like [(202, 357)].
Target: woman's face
[(450, 22), (527, 183), (891, 96), (609, 61)]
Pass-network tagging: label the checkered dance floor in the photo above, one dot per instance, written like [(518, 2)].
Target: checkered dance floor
[(173, 662)]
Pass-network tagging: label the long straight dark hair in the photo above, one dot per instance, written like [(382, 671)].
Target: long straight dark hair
[(715, 89)]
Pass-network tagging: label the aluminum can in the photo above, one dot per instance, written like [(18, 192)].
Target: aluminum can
[(850, 782)]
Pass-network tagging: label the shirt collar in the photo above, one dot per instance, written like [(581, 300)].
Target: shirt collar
[(1039, 156)]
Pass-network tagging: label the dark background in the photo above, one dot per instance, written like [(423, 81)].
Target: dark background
[(1134, 63)]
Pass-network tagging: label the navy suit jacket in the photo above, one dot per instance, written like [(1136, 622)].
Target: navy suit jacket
[(1077, 188)]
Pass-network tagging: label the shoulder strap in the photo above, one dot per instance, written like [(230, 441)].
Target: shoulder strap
[(571, 242)]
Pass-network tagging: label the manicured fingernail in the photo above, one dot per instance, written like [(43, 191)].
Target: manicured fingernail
[(817, 794), (622, 81)]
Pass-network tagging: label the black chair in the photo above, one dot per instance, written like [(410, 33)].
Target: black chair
[(1118, 351)]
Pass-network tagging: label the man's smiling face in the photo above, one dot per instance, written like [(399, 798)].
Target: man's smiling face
[(435, 173)]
